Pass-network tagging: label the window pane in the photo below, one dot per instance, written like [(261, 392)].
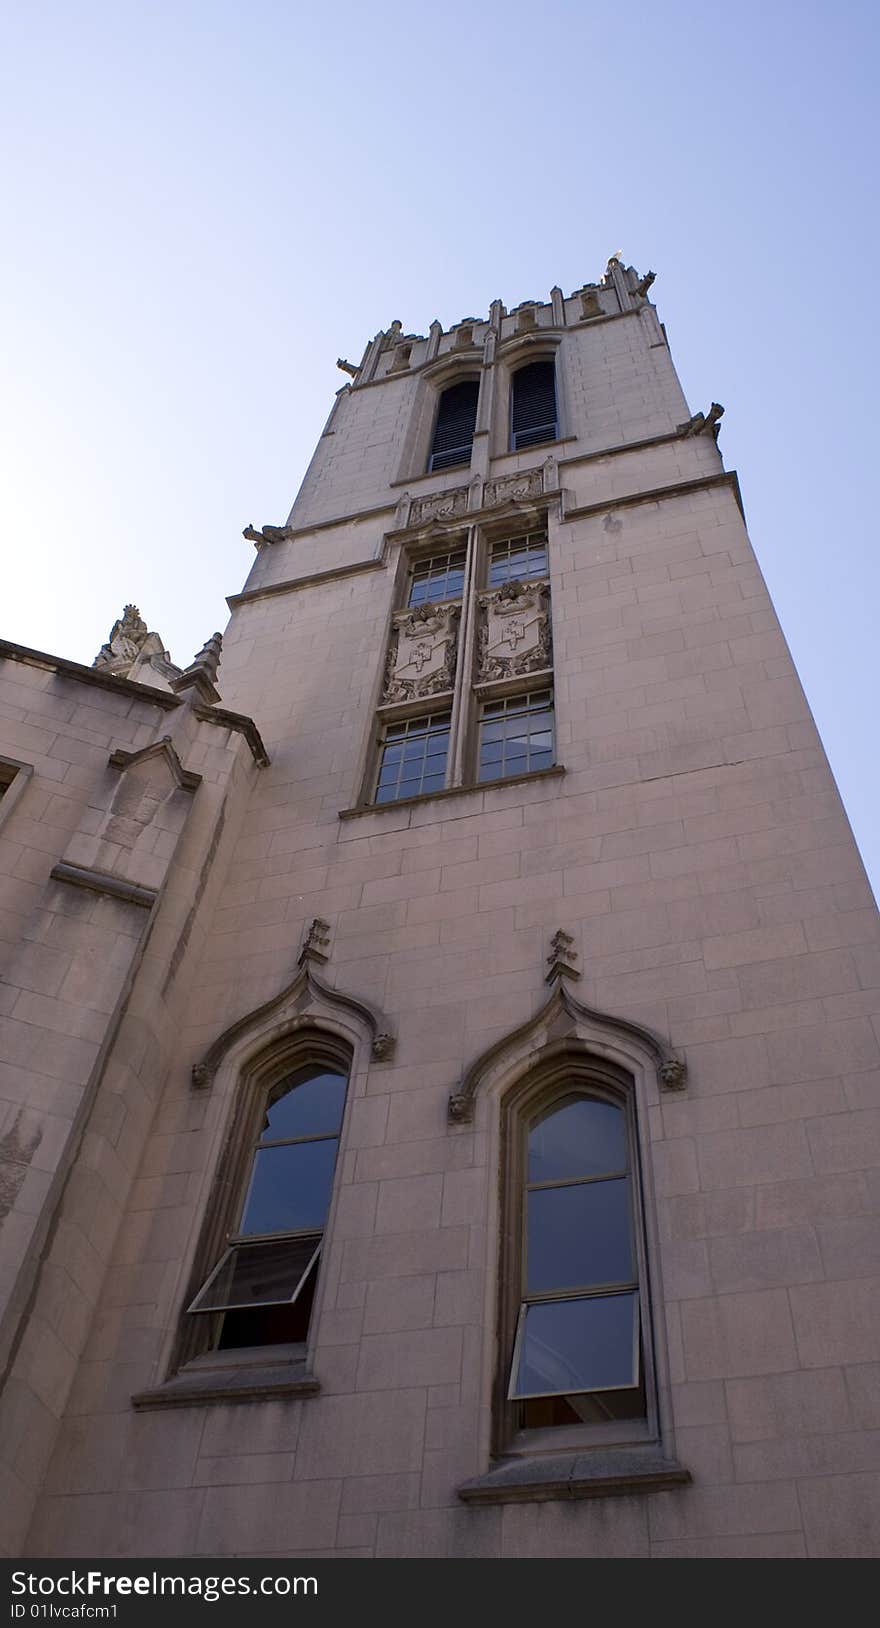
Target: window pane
[(578, 1345), (308, 1104), (583, 1138), (258, 1275), (290, 1187), (579, 1236)]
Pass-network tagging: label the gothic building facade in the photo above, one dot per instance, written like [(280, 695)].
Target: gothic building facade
[(439, 1084)]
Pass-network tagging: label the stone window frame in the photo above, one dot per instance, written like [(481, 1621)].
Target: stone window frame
[(449, 369), (574, 1074), (14, 777), (195, 1346), (466, 695), (537, 345)]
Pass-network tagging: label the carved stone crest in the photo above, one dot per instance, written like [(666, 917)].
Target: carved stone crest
[(439, 506), (421, 659), (515, 634), (513, 488)]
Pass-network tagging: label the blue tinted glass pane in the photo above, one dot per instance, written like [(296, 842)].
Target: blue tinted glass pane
[(290, 1187), (578, 1345), (584, 1137), (579, 1236), (309, 1104), (386, 794), (492, 751), (433, 782), (491, 771)]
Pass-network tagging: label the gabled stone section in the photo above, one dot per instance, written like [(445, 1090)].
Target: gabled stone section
[(162, 751), (200, 676)]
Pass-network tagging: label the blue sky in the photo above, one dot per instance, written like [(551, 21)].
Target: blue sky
[(207, 203)]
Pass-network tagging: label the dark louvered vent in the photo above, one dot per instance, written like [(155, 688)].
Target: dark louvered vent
[(454, 431), (533, 415)]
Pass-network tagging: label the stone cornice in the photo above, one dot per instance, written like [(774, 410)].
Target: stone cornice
[(238, 721), (656, 494), (88, 675), (293, 583), (136, 692)]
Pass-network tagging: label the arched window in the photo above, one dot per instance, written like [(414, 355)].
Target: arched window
[(533, 413), (454, 428), (575, 1330), (261, 1289)]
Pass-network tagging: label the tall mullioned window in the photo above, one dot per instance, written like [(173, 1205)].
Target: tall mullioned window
[(467, 693)]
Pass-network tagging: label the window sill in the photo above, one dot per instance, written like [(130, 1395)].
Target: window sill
[(611, 1474), (451, 791), (254, 1383)]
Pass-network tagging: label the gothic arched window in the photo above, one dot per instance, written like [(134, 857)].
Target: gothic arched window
[(261, 1288), (575, 1329), (454, 426), (534, 417)]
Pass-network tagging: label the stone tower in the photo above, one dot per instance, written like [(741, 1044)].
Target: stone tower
[(440, 1037)]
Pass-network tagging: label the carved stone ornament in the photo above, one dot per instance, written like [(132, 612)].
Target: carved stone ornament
[(513, 488), (515, 634), (382, 1049), (131, 643), (703, 423), (562, 957), (421, 659), (673, 1074), (439, 506), (316, 941), (590, 306)]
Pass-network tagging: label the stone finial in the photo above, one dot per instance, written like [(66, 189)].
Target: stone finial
[(703, 423), (131, 645), (316, 940), (201, 673), (562, 957)]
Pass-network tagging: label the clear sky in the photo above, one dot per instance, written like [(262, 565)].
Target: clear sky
[(207, 202)]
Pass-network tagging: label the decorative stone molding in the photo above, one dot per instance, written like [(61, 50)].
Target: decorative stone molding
[(515, 633), (561, 1020), (316, 941), (286, 1012), (513, 488), (114, 887), (421, 659), (439, 506), (701, 423), (562, 957)]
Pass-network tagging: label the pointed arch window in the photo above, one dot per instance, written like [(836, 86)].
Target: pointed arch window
[(454, 426), (534, 417), (576, 1346), (261, 1285)]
